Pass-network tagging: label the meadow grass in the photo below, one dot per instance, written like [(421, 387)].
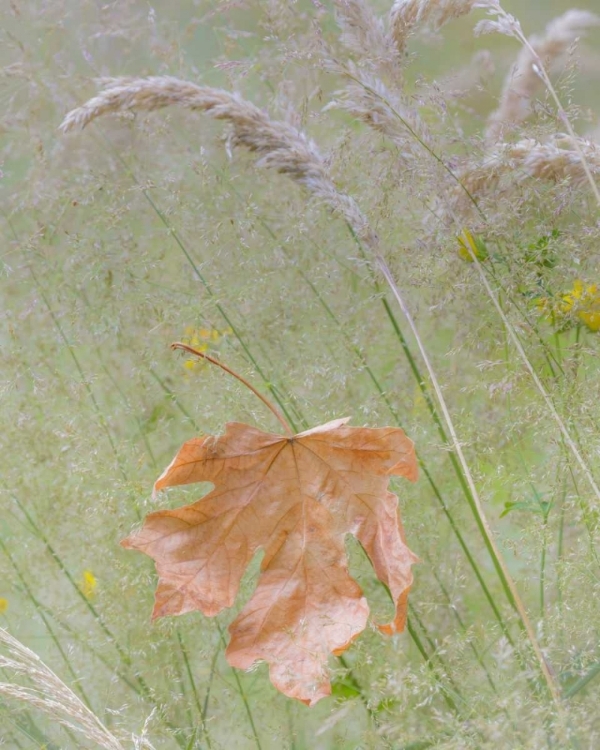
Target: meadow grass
[(381, 228)]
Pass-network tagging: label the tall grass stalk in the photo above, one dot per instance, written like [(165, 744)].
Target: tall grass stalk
[(510, 25), (499, 560)]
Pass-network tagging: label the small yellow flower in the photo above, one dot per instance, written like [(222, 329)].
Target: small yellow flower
[(583, 301), (202, 339), (88, 584), (468, 244), (3, 605)]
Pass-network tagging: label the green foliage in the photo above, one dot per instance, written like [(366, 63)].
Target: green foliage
[(141, 231)]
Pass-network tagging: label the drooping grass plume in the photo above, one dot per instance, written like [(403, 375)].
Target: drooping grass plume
[(364, 34), (280, 146), (389, 113), (505, 23)]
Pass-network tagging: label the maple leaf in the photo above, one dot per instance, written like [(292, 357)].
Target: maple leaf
[(295, 498)]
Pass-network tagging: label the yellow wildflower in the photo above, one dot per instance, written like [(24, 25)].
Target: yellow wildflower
[(583, 301), (3, 605), (87, 584), (202, 339), (468, 244)]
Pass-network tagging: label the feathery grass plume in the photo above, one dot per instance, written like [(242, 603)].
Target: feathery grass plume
[(524, 78), (365, 36), (50, 694), (554, 160), (373, 93), (278, 144), (406, 15), (370, 101)]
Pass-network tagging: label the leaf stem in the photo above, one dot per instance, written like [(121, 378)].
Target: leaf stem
[(213, 361)]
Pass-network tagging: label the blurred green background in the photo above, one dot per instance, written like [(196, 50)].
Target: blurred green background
[(140, 231)]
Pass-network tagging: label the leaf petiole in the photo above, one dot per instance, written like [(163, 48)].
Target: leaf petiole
[(213, 361)]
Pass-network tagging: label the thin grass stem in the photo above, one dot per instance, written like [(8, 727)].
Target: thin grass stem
[(124, 656), (84, 381), (242, 693), (508, 582), (463, 627), (538, 383), (583, 681), (541, 71), (224, 314), (36, 603), (204, 712), (415, 135)]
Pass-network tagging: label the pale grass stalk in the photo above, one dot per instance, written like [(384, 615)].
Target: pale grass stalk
[(538, 383), (141, 742), (520, 607), (508, 24), (524, 78), (406, 15), (289, 151), (50, 694), (565, 119)]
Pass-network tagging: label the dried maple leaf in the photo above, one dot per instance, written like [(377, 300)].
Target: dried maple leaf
[(296, 498)]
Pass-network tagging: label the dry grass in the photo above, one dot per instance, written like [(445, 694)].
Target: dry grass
[(50, 695)]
